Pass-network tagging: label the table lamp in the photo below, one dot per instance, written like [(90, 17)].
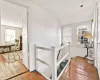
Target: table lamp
[(88, 35)]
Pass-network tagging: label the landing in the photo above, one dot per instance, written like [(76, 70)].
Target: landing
[(80, 69)]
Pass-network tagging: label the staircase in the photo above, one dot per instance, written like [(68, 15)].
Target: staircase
[(62, 65)]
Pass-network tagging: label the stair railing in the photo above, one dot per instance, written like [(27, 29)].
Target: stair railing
[(55, 63)]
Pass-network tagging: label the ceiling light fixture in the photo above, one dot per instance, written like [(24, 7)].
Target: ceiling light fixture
[(82, 2), (81, 5)]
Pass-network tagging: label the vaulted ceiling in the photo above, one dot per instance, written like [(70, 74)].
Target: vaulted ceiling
[(69, 11)]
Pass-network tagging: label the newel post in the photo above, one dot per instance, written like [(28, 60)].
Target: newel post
[(54, 61), (35, 55)]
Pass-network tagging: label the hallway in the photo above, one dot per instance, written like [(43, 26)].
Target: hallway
[(79, 70)]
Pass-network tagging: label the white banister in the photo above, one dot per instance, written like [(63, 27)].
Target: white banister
[(69, 51), (67, 65), (54, 68), (57, 49), (54, 63), (35, 55), (62, 59)]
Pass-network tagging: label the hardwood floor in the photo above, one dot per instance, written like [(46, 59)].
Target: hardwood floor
[(8, 70), (12, 69), (79, 69)]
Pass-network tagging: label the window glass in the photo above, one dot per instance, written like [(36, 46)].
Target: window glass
[(67, 35), (10, 34)]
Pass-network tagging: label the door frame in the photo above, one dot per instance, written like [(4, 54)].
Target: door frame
[(96, 44), (27, 8)]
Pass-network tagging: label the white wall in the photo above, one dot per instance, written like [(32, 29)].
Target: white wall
[(78, 50), (0, 22), (44, 28), (43, 31), (11, 14), (99, 59)]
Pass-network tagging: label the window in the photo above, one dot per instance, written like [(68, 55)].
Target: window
[(10, 35), (67, 35), (81, 32)]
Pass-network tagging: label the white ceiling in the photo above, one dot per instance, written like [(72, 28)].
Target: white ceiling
[(65, 11), (11, 15), (69, 11)]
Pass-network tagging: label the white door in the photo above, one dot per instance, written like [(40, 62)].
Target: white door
[(25, 39)]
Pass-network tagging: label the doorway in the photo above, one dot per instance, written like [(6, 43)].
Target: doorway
[(13, 40)]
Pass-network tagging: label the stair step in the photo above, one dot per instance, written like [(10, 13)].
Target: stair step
[(62, 65)]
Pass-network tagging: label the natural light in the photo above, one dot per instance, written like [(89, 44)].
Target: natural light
[(10, 35)]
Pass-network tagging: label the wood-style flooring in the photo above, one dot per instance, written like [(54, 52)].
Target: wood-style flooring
[(79, 69), (8, 70)]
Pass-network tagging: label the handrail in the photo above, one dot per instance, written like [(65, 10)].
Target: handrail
[(43, 48), (57, 49), (64, 69), (59, 52), (54, 61), (58, 63)]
